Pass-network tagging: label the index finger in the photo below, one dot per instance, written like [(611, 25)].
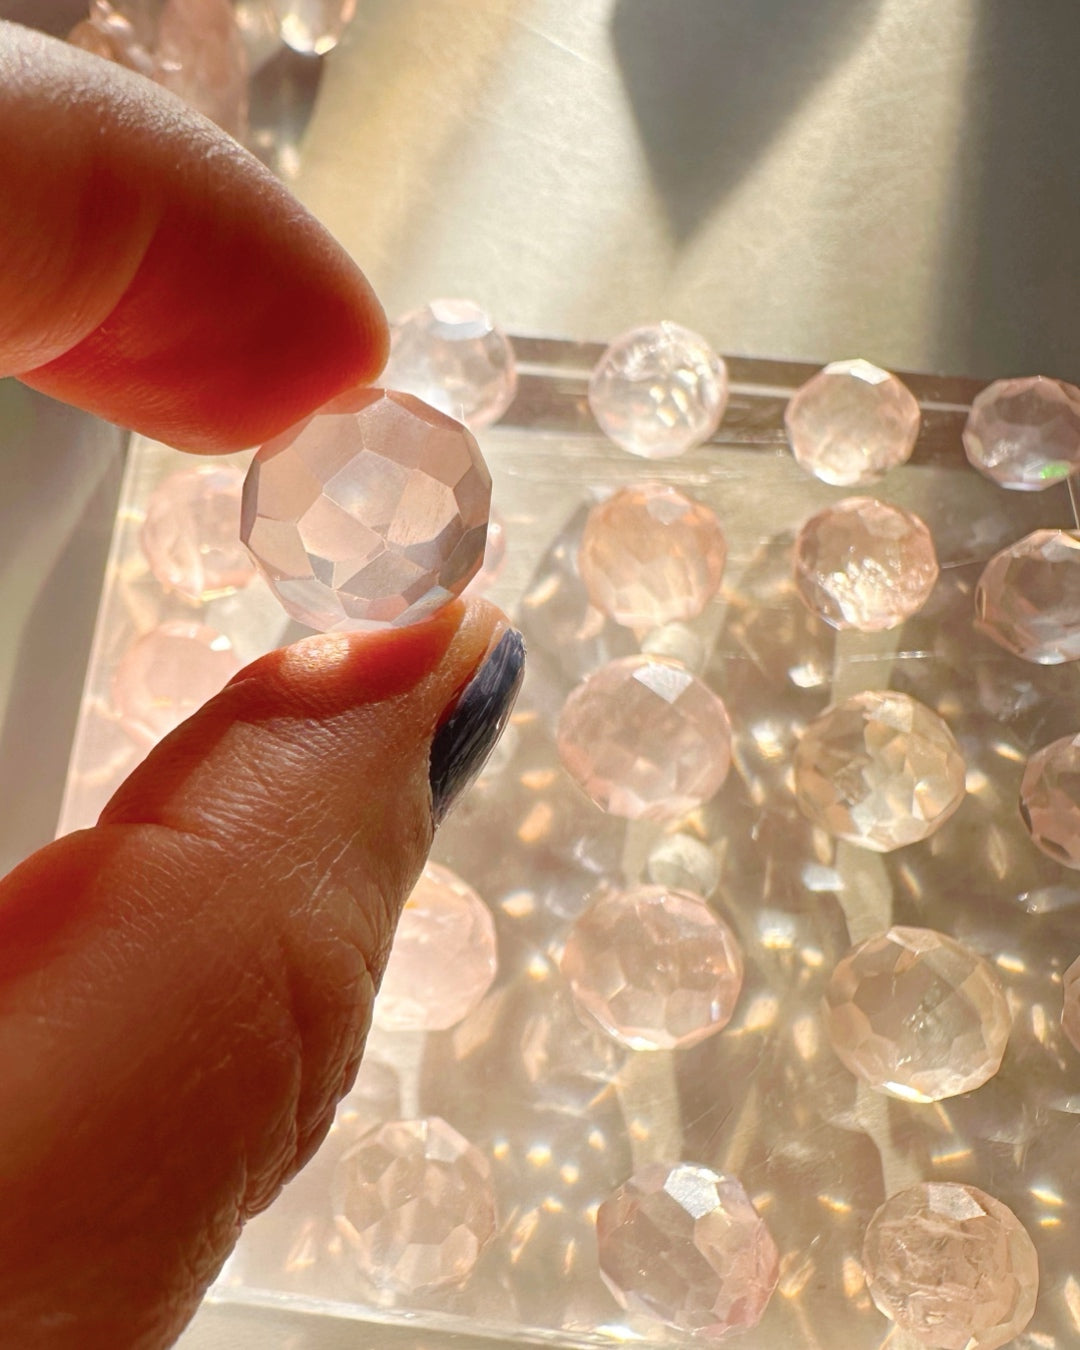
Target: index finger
[(152, 271)]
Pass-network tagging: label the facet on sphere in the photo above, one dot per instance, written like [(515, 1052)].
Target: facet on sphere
[(1028, 598), (452, 354), (952, 1266), (312, 27), (373, 513), (645, 739), (1050, 800), (169, 673), (851, 423), (414, 1204), (684, 1245), (659, 390), (654, 967), (864, 564), (443, 959), (1025, 433), (915, 1014), (1070, 1013), (879, 770), (190, 535), (651, 555)]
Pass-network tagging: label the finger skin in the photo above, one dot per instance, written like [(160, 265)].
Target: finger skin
[(185, 989), (153, 271)]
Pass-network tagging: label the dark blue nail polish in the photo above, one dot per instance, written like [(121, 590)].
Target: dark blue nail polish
[(464, 741)]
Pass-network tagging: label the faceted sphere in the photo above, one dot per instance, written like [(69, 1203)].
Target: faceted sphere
[(655, 967), (645, 739), (1025, 433), (453, 356), (1028, 598), (864, 564), (684, 1245), (915, 1014), (414, 1204), (651, 556), (373, 513), (879, 770), (851, 423), (1050, 800), (1070, 1013), (312, 27), (190, 536), (442, 962), (952, 1266), (659, 391), (167, 674)]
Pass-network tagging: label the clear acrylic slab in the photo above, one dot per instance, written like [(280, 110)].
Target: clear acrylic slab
[(564, 1115)]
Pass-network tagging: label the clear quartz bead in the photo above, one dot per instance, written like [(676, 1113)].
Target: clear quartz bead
[(373, 513), (851, 423), (1025, 433), (659, 390), (879, 770), (684, 1245), (915, 1014), (452, 354), (951, 1266)]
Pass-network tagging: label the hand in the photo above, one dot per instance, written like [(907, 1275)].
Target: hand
[(185, 989)]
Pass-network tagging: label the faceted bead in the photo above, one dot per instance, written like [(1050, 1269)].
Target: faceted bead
[(659, 391), (650, 556), (1070, 1013), (373, 513), (312, 27), (414, 1204), (442, 962), (1025, 433), (453, 356), (656, 968), (879, 770), (952, 1266), (1028, 598), (915, 1014), (864, 564), (191, 533), (645, 739), (683, 1244), (167, 674), (851, 423), (1050, 800)]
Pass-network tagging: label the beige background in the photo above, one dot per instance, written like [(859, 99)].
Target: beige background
[(806, 178)]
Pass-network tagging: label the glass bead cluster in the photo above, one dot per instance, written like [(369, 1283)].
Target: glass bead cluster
[(655, 969)]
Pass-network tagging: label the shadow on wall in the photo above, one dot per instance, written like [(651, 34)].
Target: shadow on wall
[(711, 82), (1011, 305)]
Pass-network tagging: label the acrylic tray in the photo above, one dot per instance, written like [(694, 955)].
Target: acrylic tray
[(564, 1115)]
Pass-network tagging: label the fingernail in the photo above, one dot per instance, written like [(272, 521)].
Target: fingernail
[(464, 741)]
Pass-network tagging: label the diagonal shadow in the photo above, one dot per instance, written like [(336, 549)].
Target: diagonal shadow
[(1012, 289), (711, 84)]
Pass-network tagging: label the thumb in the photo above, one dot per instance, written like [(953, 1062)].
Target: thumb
[(185, 989)]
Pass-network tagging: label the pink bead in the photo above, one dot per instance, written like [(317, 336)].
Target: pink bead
[(443, 961), (191, 534), (645, 739), (167, 674)]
